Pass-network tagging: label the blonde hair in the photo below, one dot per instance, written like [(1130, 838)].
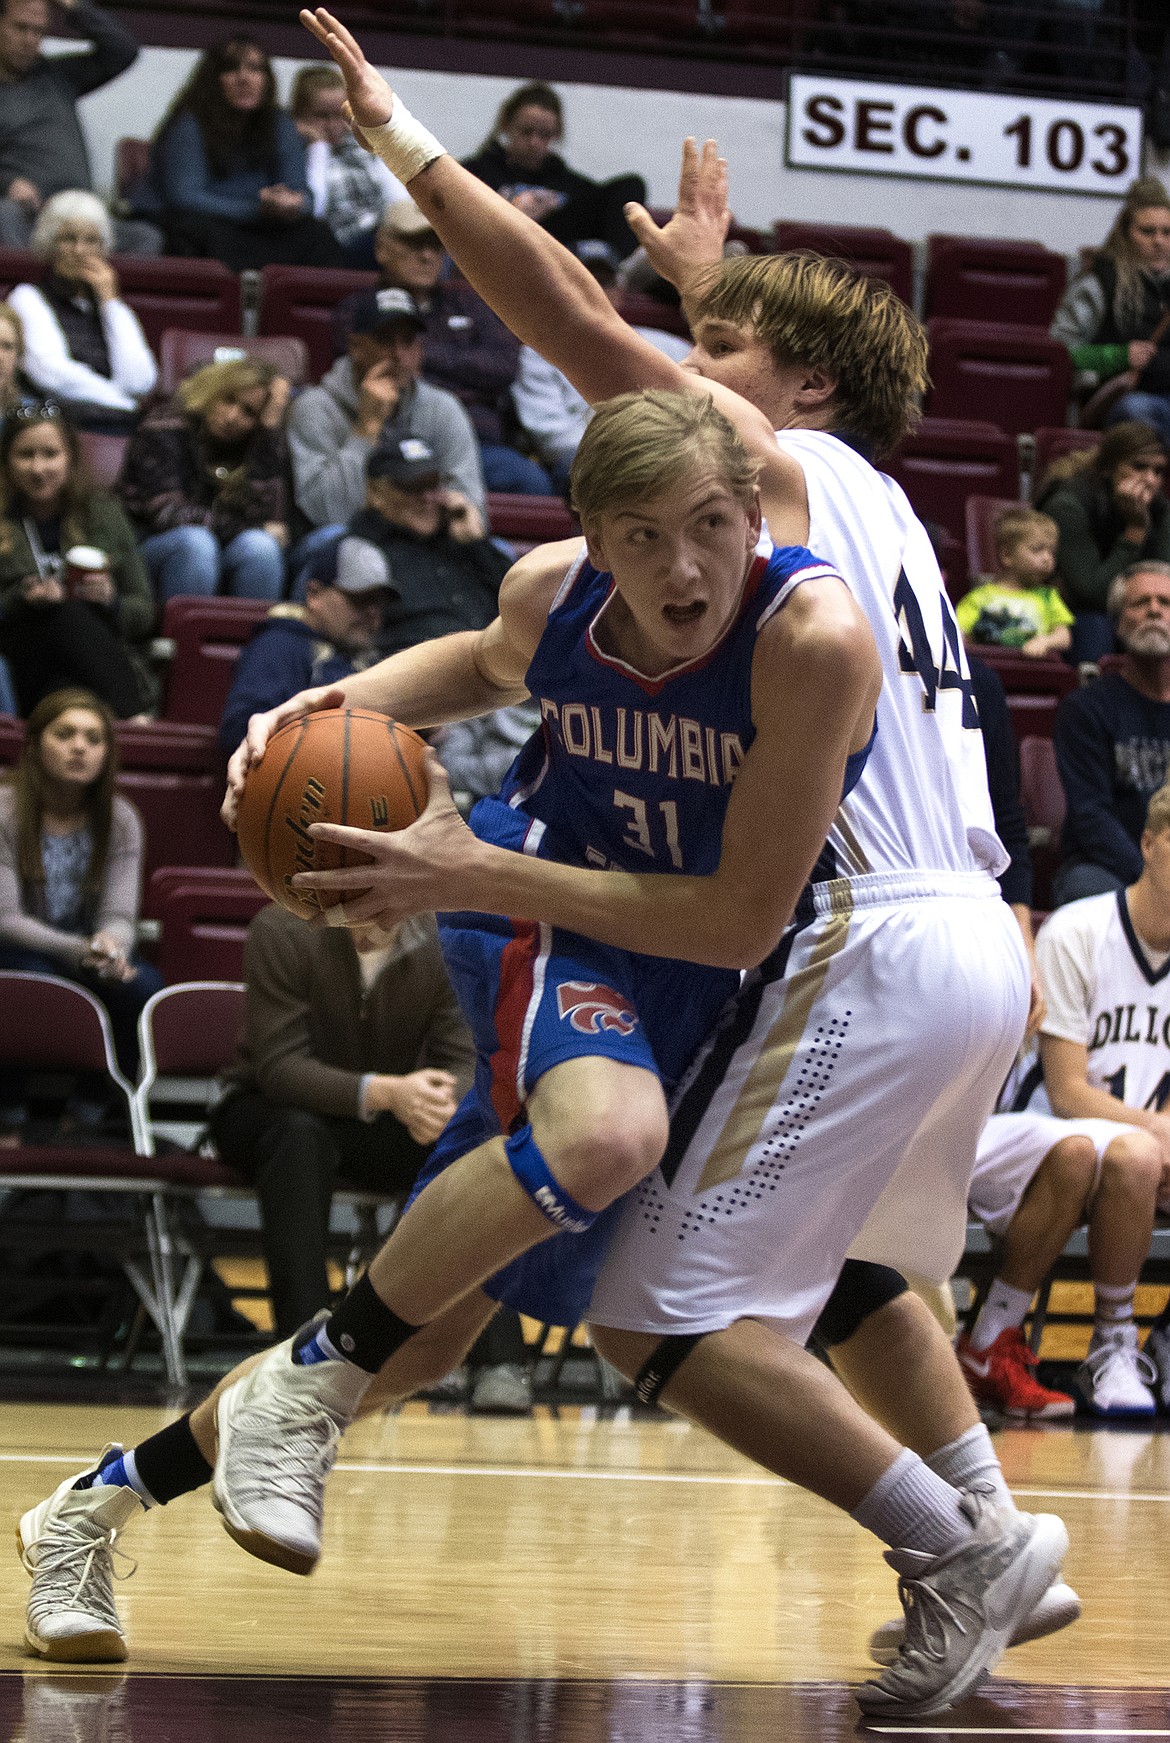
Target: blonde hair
[(1158, 810), (640, 444), (1016, 524), (308, 82), (1140, 196), (218, 380), (822, 313)]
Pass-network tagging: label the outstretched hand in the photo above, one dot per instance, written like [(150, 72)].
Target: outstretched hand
[(695, 234), (370, 101), (428, 866)]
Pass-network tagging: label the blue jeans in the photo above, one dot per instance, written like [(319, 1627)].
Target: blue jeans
[(191, 560), (505, 469), (8, 703), (1147, 408), (1079, 877)]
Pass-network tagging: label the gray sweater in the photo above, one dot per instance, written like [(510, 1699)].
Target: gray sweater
[(117, 912), (40, 135), (329, 457)]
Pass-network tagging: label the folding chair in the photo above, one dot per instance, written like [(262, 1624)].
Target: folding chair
[(51, 1024), (982, 513)]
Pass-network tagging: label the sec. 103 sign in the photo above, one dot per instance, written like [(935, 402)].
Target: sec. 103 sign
[(968, 136)]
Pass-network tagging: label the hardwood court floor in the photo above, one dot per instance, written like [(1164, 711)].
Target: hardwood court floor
[(574, 1579)]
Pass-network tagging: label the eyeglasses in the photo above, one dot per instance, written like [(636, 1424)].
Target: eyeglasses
[(44, 411)]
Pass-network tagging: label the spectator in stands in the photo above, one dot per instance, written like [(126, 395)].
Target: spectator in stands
[(370, 396), (228, 168), (82, 343), (351, 1064), (1108, 505), (466, 348), (1016, 608), (204, 482), (75, 603), (15, 387), (350, 188), (551, 411), (70, 875), (518, 160), (332, 635), (42, 146), (1115, 318), (1112, 742)]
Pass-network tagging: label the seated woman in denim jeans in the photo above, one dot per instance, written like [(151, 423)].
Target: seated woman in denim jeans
[(204, 483), (70, 874)]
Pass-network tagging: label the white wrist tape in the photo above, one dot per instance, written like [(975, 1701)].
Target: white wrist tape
[(403, 144)]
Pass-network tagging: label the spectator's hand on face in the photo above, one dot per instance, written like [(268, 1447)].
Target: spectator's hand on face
[(1133, 496), (100, 276), (378, 398), (464, 521), (25, 193), (275, 406), (42, 590), (1141, 352), (96, 587)]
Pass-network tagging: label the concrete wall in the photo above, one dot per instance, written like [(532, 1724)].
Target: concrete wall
[(616, 128)]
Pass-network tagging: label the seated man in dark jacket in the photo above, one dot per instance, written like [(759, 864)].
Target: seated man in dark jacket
[(334, 633)]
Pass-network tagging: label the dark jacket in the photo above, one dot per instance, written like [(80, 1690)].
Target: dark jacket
[(1003, 780), (491, 165), (283, 656), (1092, 551), (40, 135), (1112, 754), (439, 585), (169, 477), (1119, 328), (469, 351), (106, 527)]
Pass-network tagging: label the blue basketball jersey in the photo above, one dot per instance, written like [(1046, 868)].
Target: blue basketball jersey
[(635, 772)]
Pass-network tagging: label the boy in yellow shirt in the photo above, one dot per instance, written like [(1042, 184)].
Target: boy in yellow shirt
[(1017, 608)]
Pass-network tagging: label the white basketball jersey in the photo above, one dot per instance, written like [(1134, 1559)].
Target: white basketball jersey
[(1106, 993), (922, 803)]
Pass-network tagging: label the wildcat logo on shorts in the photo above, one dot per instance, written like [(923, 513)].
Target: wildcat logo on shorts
[(590, 1008)]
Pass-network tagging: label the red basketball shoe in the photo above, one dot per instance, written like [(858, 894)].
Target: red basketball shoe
[(1002, 1375)]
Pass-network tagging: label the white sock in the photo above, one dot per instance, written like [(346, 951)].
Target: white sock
[(1003, 1310), (909, 1507), (970, 1462), (1113, 1311)]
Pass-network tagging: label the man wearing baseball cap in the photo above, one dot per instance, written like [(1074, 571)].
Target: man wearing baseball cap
[(374, 393), (467, 349)]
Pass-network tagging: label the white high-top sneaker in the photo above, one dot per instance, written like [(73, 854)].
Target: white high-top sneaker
[(67, 1544), (1116, 1378)]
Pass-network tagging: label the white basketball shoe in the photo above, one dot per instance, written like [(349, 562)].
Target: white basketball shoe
[(68, 1545)]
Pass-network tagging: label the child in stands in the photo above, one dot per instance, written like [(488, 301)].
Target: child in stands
[(1018, 608)]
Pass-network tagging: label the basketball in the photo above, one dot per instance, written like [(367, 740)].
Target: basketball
[(342, 765)]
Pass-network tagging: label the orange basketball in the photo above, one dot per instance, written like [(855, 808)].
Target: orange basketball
[(341, 765)]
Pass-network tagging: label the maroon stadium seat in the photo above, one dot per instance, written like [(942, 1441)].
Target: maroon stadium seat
[(1051, 444), (1021, 676), (19, 266), (1032, 716), (875, 252), (643, 311), (982, 514), (1044, 807), (1019, 283), (946, 460), (180, 353), (204, 925), (165, 879), (131, 165), (208, 635), (11, 739), (528, 520), (174, 775), (103, 454), (199, 295), (301, 300), (1017, 377)]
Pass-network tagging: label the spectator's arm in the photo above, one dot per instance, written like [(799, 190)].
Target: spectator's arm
[(18, 930), (1084, 761), (47, 361), (121, 893), (1076, 324), (185, 179), (290, 158), (451, 434), (136, 605), (132, 362), (329, 477), (153, 484), (279, 1026), (1084, 570), (480, 358), (549, 406), (317, 175), (113, 51)]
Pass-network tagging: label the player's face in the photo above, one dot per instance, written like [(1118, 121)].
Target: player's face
[(679, 562), (736, 357)]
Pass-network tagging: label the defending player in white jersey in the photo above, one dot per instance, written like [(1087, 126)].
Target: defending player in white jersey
[(1103, 1068)]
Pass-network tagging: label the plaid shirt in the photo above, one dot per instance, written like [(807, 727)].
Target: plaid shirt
[(355, 197)]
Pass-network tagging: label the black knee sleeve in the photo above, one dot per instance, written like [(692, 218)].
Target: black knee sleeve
[(661, 1365), (861, 1289)]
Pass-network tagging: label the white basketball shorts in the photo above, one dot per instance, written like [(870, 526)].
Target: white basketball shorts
[(1010, 1150), (845, 1093)]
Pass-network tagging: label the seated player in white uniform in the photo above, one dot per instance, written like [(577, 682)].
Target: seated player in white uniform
[(984, 996), (1104, 1066)]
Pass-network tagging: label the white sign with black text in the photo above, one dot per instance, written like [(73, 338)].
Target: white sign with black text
[(968, 136)]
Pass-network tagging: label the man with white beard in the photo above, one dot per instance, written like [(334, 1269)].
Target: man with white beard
[(1112, 742)]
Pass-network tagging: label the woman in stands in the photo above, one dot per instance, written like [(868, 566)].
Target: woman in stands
[(82, 343), (204, 482), (15, 386), (228, 168), (1110, 317), (75, 602), (1108, 505), (518, 160), (70, 873)]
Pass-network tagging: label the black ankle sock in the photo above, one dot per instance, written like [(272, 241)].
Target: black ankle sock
[(170, 1462), (363, 1329)]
